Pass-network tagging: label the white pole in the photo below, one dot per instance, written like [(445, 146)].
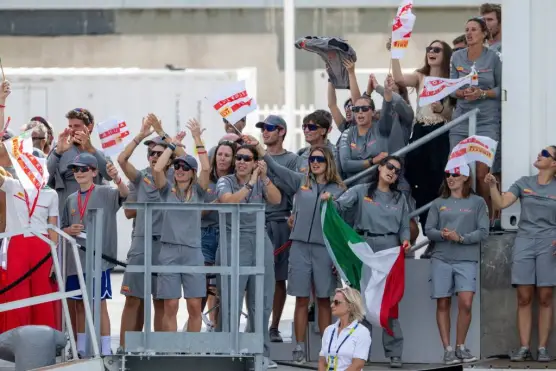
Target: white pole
[(289, 69)]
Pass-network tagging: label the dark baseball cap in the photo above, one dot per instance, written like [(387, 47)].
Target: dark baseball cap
[(189, 161), (157, 141), (43, 121), (273, 120), (84, 159)]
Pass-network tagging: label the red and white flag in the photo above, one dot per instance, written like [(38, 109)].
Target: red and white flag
[(114, 136), (474, 148), (402, 28), (437, 88), (233, 102)]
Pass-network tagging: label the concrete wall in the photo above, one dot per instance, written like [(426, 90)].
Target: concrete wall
[(210, 39)]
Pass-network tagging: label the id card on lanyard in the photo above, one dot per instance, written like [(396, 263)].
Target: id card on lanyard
[(332, 361)]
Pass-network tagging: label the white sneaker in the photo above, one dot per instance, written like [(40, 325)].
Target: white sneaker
[(268, 363)]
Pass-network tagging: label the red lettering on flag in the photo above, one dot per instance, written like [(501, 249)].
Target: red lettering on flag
[(231, 99)]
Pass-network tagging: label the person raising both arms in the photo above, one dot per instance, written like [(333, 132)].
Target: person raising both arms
[(533, 258)]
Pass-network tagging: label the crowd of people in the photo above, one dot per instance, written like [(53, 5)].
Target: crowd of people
[(240, 169)]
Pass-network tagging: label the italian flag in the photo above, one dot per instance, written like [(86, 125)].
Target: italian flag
[(378, 276)]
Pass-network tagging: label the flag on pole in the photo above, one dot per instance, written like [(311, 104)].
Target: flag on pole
[(378, 276), (114, 136), (402, 28), (233, 102), (475, 148)]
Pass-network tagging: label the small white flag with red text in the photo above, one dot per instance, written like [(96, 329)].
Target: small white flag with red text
[(114, 136), (402, 28), (233, 102)]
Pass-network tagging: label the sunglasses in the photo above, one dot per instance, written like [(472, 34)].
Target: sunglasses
[(360, 109), (155, 153), (433, 49), (269, 127), (80, 169), (181, 165), (337, 302), (546, 154), (310, 127), (391, 167), (456, 49), (317, 159), (244, 158), (452, 175)]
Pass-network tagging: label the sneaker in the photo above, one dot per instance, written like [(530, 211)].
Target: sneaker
[(275, 336), (465, 355), (543, 355), (120, 351), (396, 362), (299, 355), (520, 355), (268, 363), (450, 357)]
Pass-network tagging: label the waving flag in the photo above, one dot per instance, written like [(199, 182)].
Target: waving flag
[(437, 88), (474, 148), (378, 276), (402, 28), (114, 136), (233, 102)]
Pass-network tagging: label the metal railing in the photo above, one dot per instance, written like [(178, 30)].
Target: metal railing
[(61, 294), (230, 341)]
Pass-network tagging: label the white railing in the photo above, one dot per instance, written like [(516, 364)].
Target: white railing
[(294, 139)]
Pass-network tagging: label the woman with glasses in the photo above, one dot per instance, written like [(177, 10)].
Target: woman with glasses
[(533, 260), (310, 263), (457, 223), (133, 284), (485, 96), (316, 127), (181, 230), (346, 343), (382, 218), (250, 184), (221, 164), (425, 164), (366, 143)]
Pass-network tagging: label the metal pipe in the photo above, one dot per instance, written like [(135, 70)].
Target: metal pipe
[(147, 276), (289, 65), (419, 142), (97, 231)]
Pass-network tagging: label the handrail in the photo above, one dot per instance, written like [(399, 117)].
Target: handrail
[(419, 142)]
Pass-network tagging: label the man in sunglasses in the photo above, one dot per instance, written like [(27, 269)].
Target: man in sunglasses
[(74, 140), (49, 140), (316, 127), (459, 42), (274, 131)]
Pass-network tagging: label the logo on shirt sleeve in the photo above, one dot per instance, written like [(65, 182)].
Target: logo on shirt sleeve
[(353, 145), (368, 199), (528, 191), (443, 208)]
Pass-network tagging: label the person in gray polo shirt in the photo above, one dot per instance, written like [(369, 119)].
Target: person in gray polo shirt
[(309, 263), (274, 131), (533, 260), (457, 223), (250, 184), (181, 231)]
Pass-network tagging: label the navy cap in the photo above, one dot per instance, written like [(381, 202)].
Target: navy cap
[(189, 160), (84, 159), (272, 120), (157, 141)]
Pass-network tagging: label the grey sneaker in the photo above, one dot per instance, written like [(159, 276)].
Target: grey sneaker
[(275, 336), (465, 355), (396, 362), (120, 351), (543, 355), (450, 358), (268, 363), (520, 355), (299, 355)]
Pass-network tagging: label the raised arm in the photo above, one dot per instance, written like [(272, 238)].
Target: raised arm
[(350, 165), (502, 200), (271, 192), (408, 79), (431, 228), (5, 90), (204, 174), (347, 200), (55, 155), (337, 115), (157, 126), (400, 106), (123, 159), (353, 86), (113, 173), (386, 115), (83, 140), (160, 179)]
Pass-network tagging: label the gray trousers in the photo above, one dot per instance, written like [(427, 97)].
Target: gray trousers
[(247, 283), (393, 345)]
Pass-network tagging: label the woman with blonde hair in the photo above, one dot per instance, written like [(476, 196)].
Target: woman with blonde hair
[(346, 343), (310, 263)]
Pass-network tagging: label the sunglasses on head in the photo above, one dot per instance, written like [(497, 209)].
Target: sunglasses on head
[(244, 158), (360, 109), (453, 175), (310, 127), (337, 302), (182, 165), (155, 153), (391, 167), (80, 169), (317, 159), (545, 153), (433, 49), (269, 127)]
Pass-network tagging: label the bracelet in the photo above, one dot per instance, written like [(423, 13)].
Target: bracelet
[(163, 135), (483, 94), (172, 146), (119, 181), (266, 181), (201, 152), (248, 186), (58, 155), (201, 146), (2, 106), (136, 141)]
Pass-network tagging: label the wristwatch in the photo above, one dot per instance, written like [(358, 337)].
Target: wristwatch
[(483, 94), (461, 239), (248, 186)]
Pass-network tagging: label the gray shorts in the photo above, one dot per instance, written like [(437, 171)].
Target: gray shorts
[(310, 263), (533, 262), (279, 234), (133, 284), (170, 285), (453, 277)]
